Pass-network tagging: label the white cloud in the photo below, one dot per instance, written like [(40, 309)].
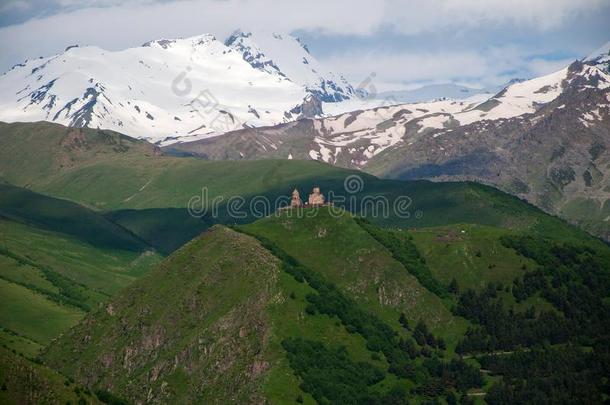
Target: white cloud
[(115, 24), (473, 68), (14, 5), (540, 67), (418, 16), (116, 27), (391, 70)]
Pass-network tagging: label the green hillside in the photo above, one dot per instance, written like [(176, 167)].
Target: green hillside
[(472, 254), (148, 193), (110, 171), (351, 258), (525, 300), (58, 260), (52, 214), (241, 314), (469, 294), (328, 308), (25, 382), (198, 317), (50, 280)]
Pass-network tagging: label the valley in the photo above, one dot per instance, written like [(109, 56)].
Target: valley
[(543, 140), (276, 203), (134, 298)]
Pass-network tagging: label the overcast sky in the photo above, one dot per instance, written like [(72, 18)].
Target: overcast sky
[(406, 43)]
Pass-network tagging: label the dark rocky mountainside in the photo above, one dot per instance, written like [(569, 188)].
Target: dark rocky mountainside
[(331, 309), (194, 329), (555, 156)]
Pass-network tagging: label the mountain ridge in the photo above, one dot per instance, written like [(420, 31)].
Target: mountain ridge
[(225, 357), (473, 139), (300, 317), (170, 89)]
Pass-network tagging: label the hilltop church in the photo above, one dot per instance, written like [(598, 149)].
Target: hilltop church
[(316, 198)]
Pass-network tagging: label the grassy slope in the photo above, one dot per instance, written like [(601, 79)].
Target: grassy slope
[(289, 320), (349, 257), (219, 319), (57, 260), (164, 228), (24, 382), (149, 193), (591, 215), (105, 271), (200, 316), (109, 171), (40, 211), (380, 285), (94, 274), (231, 313), (32, 315), (471, 254), (474, 256)]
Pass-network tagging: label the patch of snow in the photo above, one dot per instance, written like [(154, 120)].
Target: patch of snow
[(435, 122), (166, 91), (325, 153)]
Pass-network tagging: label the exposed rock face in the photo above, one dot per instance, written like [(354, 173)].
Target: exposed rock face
[(25, 382), (556, 158), (555, 154), (172, 332), (310, 108)]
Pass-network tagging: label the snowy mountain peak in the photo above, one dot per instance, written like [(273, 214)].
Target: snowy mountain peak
[(243, 44), (204, 39), (266, 40), (582, 75), (289, 58), (170, 90), (602, 51), (600, 58)]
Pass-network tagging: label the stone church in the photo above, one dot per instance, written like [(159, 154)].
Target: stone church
[(316, 198), (296, 201)]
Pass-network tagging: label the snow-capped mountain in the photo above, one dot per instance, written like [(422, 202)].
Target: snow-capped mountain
[(600, 58), (545, 139), (288, 57), (172, 90), (356, 137)]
